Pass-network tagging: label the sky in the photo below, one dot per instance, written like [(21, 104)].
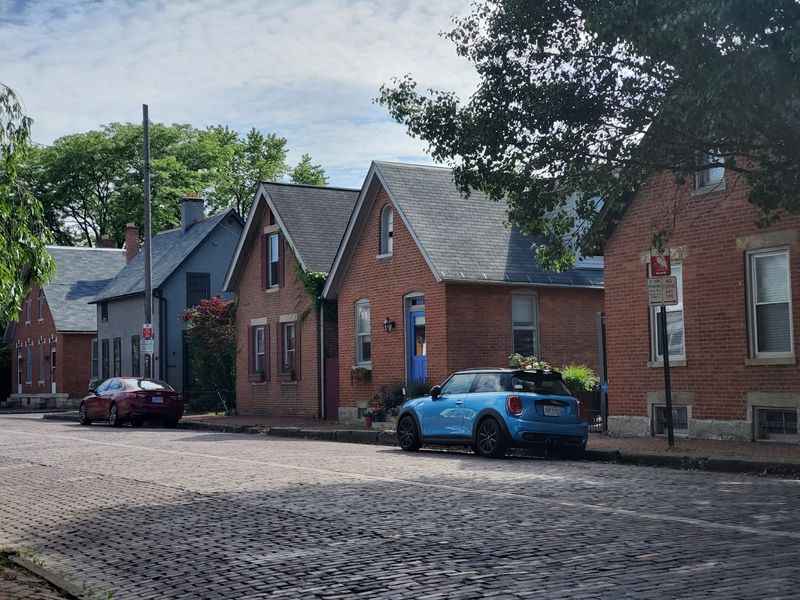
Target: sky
[(308, 70)]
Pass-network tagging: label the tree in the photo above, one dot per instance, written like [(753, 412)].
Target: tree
[(595, 96), (308, 173), (25, 259), (211, 335)]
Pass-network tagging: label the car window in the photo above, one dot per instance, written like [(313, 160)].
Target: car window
[(549, 385), (488, 382), (116, 385), (458, 383), (102, 387), (149, 385)]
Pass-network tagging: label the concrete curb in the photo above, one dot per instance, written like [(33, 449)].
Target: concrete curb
[(387, 438), (68, 588), (34, 411)]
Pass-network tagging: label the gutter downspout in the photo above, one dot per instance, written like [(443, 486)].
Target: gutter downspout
[(322, 359), (162, 336)]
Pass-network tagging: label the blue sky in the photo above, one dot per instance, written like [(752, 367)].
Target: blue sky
[(308, 70)]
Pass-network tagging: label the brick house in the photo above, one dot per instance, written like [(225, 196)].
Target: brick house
[(428, 282), (282, 348), (732, 340), (51, 341)]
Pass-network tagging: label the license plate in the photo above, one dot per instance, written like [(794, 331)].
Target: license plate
[(552, 411), (157, 400)]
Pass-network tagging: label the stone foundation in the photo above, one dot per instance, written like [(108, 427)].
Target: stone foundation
[(40, 401)]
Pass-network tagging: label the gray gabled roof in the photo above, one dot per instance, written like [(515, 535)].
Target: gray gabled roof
[(314, 217), (81, 273), (463, 238), (169, 250)]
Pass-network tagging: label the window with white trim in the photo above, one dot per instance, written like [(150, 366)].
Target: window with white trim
[(386, 231), (259, 349), (710, 176), (273, 273), (28, 311), (29, 365), (40, 306), (675, 328), (363, 333), (770, 299), (525, 324), (289, 348)]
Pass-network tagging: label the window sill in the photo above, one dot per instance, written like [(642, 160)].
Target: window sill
[(759, 362), (659, 364), (365, 366), (290, 382), (272, 290), (709, 189), (383, 256)]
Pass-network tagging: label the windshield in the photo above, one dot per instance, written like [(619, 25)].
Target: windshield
[(148, 385), (535, 383)]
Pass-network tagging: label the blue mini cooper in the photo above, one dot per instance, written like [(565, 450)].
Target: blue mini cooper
[(493, 410)]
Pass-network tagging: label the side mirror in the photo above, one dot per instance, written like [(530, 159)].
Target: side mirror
[(92, 387), (436, 391)]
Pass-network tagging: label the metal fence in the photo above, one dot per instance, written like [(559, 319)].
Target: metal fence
[(593, 408)]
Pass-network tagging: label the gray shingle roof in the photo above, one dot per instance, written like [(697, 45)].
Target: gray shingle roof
[(468, 239), (315, 219), (80, 274), (169, 249)]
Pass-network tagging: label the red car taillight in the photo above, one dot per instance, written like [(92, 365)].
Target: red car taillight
[(514, 405)]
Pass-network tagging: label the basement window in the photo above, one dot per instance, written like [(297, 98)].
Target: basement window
[(776, 424), (680, 420)]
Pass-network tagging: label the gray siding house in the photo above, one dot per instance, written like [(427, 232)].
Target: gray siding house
[(189, 265)]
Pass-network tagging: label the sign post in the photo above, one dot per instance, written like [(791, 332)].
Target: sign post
[(148, 347), (148, 344), (662, 289)]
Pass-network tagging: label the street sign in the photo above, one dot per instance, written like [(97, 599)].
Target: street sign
[(148, 344), (659, 263), (662, 291)]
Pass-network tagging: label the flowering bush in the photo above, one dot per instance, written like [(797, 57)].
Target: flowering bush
[(529, 363), (211, 337)]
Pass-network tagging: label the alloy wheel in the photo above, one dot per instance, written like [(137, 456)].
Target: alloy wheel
[(113, 416), (407, 434), (490, 441)]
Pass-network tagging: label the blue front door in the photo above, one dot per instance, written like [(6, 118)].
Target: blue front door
[(417, 346)]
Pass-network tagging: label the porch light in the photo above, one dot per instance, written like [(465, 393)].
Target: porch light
[(388, 325)]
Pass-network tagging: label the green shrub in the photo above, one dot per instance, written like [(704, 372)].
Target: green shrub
[(579, 378), (529, 363)]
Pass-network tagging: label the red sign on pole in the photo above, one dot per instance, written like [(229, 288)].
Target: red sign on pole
[(659, 264), (147, 331)]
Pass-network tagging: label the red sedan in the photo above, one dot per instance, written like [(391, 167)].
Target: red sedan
[(127, 399)]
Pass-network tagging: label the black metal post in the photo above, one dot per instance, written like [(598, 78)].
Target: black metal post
[(148, 232), (667, 382)]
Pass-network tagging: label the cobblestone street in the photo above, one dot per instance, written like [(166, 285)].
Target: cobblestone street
[(150, 513)]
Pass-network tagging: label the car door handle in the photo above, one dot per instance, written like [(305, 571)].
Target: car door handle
[(459, 402)]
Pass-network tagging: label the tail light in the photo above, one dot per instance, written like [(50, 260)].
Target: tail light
[(514, 405)]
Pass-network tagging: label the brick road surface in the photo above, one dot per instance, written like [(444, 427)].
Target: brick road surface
[(149, 513)]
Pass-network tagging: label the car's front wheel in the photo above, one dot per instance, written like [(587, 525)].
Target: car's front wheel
[(408, 435), (490, 439), (83, 414)]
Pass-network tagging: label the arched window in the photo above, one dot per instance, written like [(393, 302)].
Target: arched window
[(387, 231)]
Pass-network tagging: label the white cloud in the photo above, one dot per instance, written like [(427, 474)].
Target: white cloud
[(305, 69)]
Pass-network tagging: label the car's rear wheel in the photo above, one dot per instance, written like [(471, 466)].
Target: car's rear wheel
[(490, 439), (83, 413), (113, 416), (408, 435), (171, 423)]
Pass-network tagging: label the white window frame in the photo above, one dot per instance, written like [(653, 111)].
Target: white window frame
[(28, 310), (386, 231), (274, 258), (260, 349), (40, 300), (42, 361), (534, 299), (359, 335), (286, 365), (702, 178), (29, 365), (655, 315), (752, 325)]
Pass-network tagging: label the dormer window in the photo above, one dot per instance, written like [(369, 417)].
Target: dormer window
[(710, 177), (387, 231)]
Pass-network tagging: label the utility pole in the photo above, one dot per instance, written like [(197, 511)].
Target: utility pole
[(148, 345), (667, 382)]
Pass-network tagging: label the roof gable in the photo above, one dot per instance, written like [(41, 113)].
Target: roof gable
[(462, 238), (170, 249), (81, 273), (312, 218)]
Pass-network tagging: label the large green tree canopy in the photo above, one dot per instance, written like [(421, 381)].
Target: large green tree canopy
[(595, 96), (90, 183), (23, 257)]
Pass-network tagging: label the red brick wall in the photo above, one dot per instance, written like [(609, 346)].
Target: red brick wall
[(73, 354), (385, 282), (715, 306), (479, 325), (278, 396)]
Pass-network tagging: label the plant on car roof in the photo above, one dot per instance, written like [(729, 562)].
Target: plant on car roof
[(529, 363), (579, 378)]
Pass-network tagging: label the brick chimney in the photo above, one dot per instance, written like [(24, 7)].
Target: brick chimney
[(131, 242), (192, 211)]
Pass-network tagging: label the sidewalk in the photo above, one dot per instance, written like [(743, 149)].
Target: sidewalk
[(708, 455)]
